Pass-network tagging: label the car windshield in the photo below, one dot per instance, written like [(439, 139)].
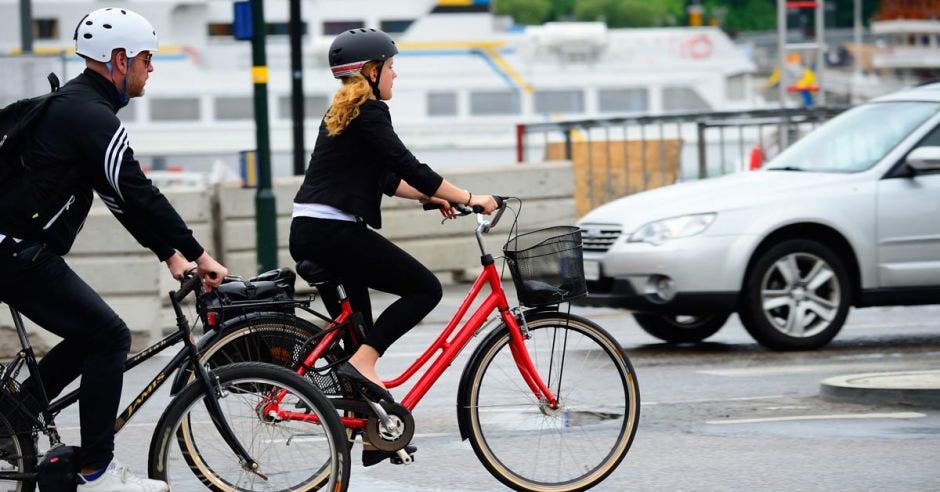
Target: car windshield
[(856, 139)]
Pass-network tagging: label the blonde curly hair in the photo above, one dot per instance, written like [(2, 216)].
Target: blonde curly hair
[(347, 100)]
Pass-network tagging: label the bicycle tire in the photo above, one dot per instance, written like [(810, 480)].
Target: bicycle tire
[(525, 444), (243, 386), (17, 454)]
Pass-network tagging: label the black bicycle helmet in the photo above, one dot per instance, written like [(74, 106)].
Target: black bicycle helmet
[(352, 49)]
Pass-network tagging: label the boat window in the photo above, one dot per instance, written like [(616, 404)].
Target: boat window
[(494, 102), (314, 107), (234, 108), (442, 103), (46, 28), (224, 29), (735, 87), (857, 139), (338, 26), (623, 100), (174, 109), (395, 26), (559, 101), (683, 99)]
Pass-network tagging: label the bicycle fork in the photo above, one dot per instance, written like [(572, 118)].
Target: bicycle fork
[(526, 368)]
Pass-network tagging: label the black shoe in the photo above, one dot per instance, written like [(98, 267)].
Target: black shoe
[(370, 389), (375, 456)]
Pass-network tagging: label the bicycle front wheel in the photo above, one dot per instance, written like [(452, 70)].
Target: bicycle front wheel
[(293, 454), (524, 442), (17, 455)]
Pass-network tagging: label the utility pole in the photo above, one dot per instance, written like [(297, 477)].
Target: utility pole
[(26, 26), (295, 28), (265, 211)]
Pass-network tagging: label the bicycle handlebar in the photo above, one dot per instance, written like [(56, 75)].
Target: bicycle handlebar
[(463, 209)]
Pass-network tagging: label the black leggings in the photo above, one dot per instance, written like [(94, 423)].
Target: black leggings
[(363, 259), (94, 345)]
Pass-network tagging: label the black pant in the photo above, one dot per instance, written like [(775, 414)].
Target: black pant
[(94, 345), (363, 259)]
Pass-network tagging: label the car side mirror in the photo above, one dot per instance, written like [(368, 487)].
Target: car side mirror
[(924, 159)]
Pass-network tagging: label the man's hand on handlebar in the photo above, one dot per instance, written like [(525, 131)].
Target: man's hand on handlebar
[(210, 271), (178, 266)]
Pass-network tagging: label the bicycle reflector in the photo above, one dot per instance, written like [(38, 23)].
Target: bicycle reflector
[(212, 319)]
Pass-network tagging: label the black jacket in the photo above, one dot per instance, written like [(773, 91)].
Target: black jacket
[(80, 146), (351, 170)]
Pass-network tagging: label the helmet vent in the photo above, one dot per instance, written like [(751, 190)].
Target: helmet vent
[(107, 26), (124, 12), (88, 35), (88, 23)]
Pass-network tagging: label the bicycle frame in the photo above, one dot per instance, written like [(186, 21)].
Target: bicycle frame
[(189, 352), (449, 346)]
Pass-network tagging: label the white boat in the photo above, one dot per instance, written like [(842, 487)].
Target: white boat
[(466, 76)]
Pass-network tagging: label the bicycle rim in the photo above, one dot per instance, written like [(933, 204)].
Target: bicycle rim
[(530, 446), (17, 455), (292, 454)]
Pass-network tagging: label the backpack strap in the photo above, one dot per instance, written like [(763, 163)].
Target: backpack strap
[(53, 82)]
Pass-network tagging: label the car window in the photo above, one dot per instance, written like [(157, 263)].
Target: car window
[(932, 139), (856, 139)]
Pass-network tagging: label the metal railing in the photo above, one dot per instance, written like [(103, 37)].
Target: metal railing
[(613, 157)]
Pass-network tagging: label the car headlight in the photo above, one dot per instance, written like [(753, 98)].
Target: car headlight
[(660, 231)]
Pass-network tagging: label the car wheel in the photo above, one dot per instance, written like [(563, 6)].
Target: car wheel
[(796, 297), (677, 328)]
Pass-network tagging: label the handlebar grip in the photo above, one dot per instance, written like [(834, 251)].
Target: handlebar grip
[(431, 206)]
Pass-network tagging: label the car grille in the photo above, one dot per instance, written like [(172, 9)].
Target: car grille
[(599, 237)]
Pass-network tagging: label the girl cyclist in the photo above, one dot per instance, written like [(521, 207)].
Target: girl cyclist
[(358, 157)]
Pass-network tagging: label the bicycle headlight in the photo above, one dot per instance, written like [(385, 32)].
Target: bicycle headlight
[(660, 231)]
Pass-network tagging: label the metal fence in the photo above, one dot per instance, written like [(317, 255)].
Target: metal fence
[(613, 157)]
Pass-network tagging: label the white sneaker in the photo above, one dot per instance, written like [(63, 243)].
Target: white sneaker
[(118, 478)]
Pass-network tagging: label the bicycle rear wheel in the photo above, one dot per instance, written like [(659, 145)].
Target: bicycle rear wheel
[(525, 443), (292, 454)]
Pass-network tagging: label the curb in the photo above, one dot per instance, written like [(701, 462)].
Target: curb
[(914, 388)]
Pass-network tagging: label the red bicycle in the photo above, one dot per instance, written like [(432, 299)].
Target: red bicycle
[(548, 400)]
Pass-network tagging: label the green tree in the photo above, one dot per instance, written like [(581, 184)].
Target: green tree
[(525, 11), (631, 13)]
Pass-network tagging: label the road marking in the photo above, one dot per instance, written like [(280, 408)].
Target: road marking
[(710, 400), (836, 416), (801, 369)]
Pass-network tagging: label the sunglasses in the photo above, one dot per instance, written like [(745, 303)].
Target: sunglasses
[(146, 58)]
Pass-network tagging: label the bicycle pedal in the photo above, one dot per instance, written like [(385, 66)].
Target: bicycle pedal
[(402, 458)]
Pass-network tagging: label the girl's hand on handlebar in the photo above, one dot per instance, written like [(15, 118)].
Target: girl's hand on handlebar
[(487, 202), (447, 211)]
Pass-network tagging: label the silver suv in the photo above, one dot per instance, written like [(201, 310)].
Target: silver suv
[(847, 216)]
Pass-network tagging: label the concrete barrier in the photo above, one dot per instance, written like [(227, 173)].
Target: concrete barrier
[(135, 283)]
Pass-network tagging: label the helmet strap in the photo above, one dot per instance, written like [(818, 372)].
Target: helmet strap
[(123, 98), (375, 85)]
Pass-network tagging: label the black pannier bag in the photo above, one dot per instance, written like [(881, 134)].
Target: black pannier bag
[(270, 291)]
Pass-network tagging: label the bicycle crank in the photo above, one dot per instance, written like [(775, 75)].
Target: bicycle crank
[(391, 431)]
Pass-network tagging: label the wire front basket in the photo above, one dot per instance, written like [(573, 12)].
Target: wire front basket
[(547, 265)]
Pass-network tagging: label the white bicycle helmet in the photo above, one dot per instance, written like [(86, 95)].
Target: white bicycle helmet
[(107, 29)]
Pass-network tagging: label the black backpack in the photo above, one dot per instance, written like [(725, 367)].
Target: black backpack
[(17, 122)]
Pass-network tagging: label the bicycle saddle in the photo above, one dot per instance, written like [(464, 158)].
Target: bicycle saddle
[(313, 273)]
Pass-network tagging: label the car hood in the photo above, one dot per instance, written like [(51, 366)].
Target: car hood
[(729, 192)]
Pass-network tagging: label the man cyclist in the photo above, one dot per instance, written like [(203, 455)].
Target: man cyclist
[(78, 147)]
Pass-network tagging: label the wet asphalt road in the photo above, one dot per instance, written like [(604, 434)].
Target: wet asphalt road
[(721, 415)]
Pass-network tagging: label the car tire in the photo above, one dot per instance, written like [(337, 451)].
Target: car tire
[(676, 328), (796, 296)]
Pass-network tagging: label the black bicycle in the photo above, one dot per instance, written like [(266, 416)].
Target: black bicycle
[(216, 432)]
